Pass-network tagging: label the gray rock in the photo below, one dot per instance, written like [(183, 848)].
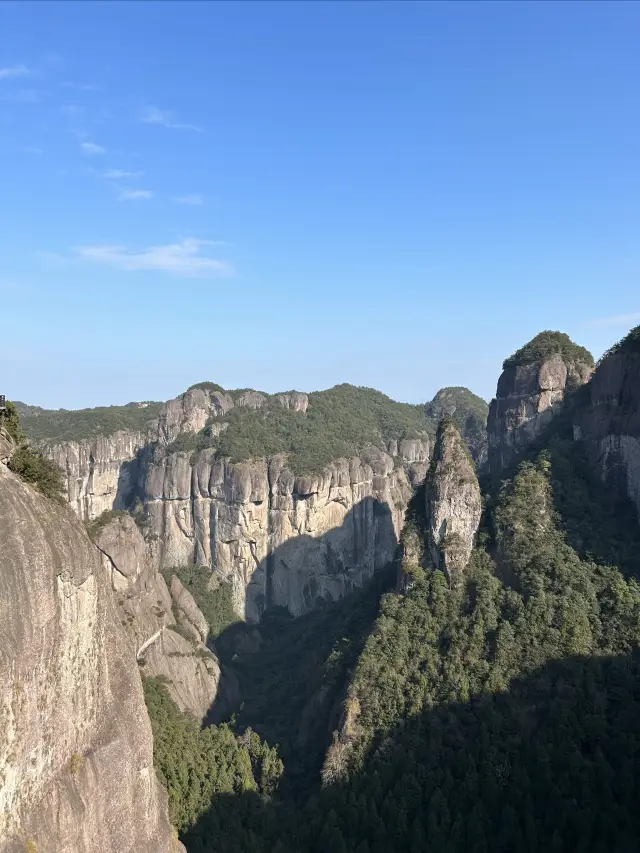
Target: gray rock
[(609, 424), (76, 763), (295, 400), (7, 446), (251, 400), (453, 503), (147, 612), (526, 399), (100, 472)]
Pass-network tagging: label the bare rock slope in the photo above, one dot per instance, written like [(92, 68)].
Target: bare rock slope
[(453, 503), (166, 630), (76, 765)]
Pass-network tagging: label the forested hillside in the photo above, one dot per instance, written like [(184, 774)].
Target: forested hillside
[(502, 714), (339, 421)]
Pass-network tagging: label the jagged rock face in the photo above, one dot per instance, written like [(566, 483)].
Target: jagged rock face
[(148, 612), (7, 446), (525, 401), (100, 472), (469, 412), (76, 764), (453, 503), (295, 400), (610, 423), (191, 411), (280, 539)]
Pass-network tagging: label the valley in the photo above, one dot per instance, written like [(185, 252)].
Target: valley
[(430, 644)]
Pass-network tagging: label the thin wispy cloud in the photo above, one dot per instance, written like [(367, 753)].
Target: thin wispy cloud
[(631, 319), (153, 115), (91, 148), (186, 259), (192, 198), (14, 71), (32, 149), (134, 195), (117, 174)]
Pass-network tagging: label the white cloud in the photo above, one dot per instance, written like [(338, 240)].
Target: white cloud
[(71, 110), (185, 259), (14, 71), (116, 174), (92, 148), (32, 149), (132, 195), (153, 115), (629, 320), (192, 198)]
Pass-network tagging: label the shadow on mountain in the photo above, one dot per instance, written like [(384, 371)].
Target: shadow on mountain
[(553, 764), (598, 524), (290, 673)]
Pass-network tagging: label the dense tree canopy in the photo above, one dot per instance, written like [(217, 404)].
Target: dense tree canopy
[(503, 715)]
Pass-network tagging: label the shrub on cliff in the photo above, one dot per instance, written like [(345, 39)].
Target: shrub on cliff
[(630, 343), (29, 463)]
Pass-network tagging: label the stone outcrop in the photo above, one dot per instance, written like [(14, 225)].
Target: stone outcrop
[(7, 446), (609, 423), (76, 763), (453, 503), (100, 472), (200, 405), (526, 399), (469, 412), (166, 629), (278, 538)]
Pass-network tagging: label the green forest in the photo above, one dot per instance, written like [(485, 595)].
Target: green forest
[(501, 715), (339, 422)]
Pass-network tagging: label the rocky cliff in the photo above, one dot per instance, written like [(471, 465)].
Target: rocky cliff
[(530, 389), (608, 419), (100, 472), (76, 767), (278, 538), (220, 478), (453, 503), (166, 629)]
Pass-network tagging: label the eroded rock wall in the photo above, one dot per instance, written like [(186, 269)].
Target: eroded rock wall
[(526, 399), (101, 472), (609, 423), (453, 503), (76, 763), (166, 629), (278, 538)]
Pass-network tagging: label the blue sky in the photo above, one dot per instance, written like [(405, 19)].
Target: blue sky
[(292, 195)]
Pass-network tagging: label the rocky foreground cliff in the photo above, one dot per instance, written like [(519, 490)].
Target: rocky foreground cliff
[(76, 767)]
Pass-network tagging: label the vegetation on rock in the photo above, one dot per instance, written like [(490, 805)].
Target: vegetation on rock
[(53, 425), (499, 716), (630, 343), (28, 462), (212, 596), (198, 764), (546, 344)]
